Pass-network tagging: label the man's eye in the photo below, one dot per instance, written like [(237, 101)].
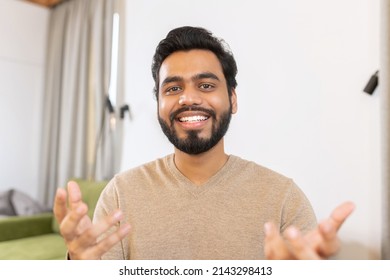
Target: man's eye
[(206, 86), (173, 89)]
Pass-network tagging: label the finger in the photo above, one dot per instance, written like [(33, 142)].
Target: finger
[(96, 252), (87, 246), (298, 247), (341, 213), (108, 242), (328, 230), (69, 227), (90, 236), (74, 195), (325, 239), (274, 245), (60, 210), (330, 244)]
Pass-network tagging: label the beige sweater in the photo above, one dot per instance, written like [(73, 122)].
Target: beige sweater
[(172, 218)]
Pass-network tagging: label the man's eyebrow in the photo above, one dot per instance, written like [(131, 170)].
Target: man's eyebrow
[(171, 79), (200, 76), (205, 75)]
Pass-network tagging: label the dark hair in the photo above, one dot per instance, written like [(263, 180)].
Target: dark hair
[(188, 38)]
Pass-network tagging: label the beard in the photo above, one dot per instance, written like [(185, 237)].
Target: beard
[(193, 144)]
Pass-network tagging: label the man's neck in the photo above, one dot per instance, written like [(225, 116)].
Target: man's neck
[(200, 168)]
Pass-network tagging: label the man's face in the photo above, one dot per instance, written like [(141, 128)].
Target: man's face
[(194, 109)]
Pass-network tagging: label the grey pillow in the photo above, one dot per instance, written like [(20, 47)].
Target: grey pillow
[(24, 205), (6, 207)]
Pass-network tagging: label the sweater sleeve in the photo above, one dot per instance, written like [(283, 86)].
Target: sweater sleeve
[(297, 211), (107, 204)]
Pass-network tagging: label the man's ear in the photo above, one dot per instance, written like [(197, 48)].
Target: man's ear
[(233, 100)]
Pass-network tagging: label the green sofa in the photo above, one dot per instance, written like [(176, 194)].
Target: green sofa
[(37, 237)]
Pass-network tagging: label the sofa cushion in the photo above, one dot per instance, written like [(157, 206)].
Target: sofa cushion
[(6, 207), (24, 205), (90, 191), (16, 227), (40, 247)]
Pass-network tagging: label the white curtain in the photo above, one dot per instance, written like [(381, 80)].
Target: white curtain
[(78, 140), (384, 79)]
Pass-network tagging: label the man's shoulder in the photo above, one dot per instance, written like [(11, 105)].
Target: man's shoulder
[(145, 169), (256, 169)]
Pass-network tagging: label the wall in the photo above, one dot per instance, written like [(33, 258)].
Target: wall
[(302, 67), (23, 29)]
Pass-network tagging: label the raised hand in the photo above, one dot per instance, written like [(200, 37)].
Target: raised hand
[(320, 243), (80, 235)]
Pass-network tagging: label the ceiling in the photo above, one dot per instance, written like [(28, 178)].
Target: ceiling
[(46, 3)]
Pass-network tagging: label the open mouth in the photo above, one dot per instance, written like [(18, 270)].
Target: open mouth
[(192, 114), (191, 119)]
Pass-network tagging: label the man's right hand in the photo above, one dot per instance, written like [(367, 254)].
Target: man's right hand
[(320, 243), (80, 235)]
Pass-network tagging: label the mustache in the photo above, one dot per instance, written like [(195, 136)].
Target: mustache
[(173, 115)]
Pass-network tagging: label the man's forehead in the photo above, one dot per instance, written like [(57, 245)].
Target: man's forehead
[(188, 64)]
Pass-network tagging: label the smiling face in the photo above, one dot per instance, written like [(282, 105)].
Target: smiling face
[(194, 108)]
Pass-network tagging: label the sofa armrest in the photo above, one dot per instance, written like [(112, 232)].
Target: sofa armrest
[(16, 227)]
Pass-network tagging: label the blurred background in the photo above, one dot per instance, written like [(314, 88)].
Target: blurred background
[(77, 101)]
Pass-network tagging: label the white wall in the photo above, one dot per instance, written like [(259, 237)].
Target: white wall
[(302, 67), (23, 29)]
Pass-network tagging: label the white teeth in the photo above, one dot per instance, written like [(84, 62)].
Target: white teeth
[(193, 119)]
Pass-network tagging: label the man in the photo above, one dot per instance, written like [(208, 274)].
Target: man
[(198, 203)]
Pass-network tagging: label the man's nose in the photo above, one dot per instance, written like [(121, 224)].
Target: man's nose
[(190, 97)]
